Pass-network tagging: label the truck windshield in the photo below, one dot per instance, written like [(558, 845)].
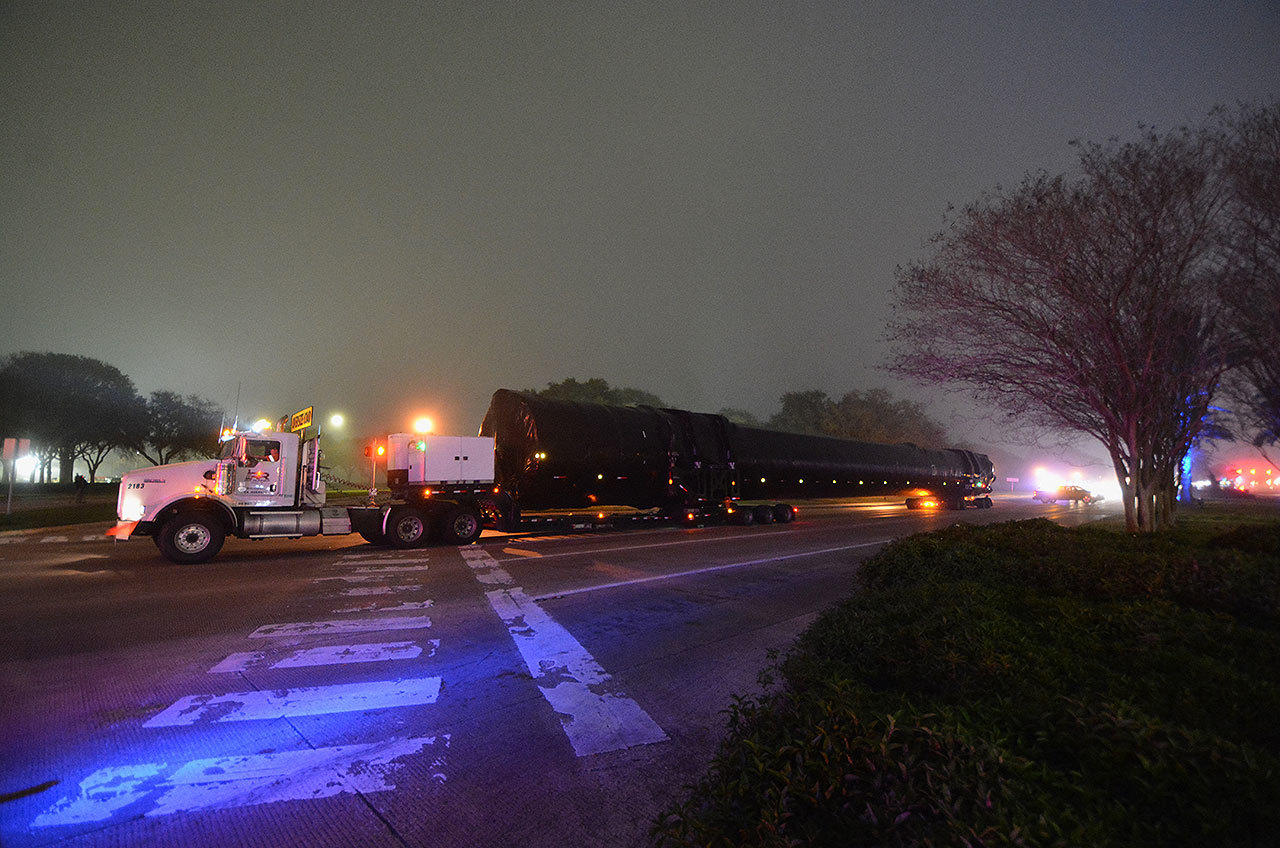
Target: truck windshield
[(228, 449)]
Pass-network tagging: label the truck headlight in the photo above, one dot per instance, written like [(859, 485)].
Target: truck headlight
[(132, 510)]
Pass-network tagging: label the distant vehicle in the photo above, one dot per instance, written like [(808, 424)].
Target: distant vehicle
[(1066, 493)]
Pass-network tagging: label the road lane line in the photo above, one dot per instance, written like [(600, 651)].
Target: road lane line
[(352, 625), (594, 716), (709, 569), (389, 569), (289, 703), (47, 539), (701, 540), (228, 782)]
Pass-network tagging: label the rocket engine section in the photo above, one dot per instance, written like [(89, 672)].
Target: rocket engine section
[(561, 454)]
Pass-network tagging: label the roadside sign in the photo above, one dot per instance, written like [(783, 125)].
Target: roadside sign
[(301, 420), (15, 448)]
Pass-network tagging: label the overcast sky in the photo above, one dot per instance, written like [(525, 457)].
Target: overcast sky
[(388, 208)]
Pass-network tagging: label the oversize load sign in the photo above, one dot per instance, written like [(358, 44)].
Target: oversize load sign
[(301, 420)]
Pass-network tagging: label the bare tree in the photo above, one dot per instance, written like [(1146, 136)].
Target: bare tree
[(1252, 169), (1089, 304)]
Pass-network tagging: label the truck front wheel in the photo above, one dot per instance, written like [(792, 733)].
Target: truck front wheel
[(462, 526), (189, 538), (407, 528)]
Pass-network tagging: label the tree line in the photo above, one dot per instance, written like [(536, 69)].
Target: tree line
[(75, 407), (871, 416), (1128, 300)]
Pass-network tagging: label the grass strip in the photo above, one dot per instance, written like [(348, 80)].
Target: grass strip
[(1019, 684)]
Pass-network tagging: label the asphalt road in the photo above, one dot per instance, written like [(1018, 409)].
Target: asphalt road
[(532, 691)]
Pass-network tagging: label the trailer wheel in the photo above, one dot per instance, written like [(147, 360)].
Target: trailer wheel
[(462, 526), (744, 517), (762, 514), (783, 513), (191, 537), (407, 528)]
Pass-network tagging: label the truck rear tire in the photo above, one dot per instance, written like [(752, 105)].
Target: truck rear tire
[(407, 528), (762, 514), (190, 538), (462, 526), (783, 513)]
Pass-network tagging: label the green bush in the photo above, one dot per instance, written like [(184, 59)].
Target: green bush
[(1019, 684)]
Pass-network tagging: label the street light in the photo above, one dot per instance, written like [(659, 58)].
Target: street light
[(261, 425), (422, 425), (337, 420)]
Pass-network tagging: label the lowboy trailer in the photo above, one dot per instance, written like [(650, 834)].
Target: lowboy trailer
[(537, 465)]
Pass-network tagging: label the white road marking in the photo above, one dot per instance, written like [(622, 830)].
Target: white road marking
[(285, 703), (701, 540), (594, 719), (709, 569), (47, 539), (228, 782), (356, 591), (102, 793), (329, 655), (389, 569), (341, 654), (349, 578), (351, 625), (238, 662), (385, 559), (372, 606)]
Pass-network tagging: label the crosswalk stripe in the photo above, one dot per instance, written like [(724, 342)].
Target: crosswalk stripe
[(353, 625), (220, 783), (287, 703)]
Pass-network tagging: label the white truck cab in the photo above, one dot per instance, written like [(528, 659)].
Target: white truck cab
[(260, 486)]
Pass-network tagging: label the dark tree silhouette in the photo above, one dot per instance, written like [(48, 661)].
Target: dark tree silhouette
[(871, 416), (69, 406), (596, 390), (176, 426)]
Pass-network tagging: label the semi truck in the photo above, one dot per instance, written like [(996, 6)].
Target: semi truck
[(537, 464)]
